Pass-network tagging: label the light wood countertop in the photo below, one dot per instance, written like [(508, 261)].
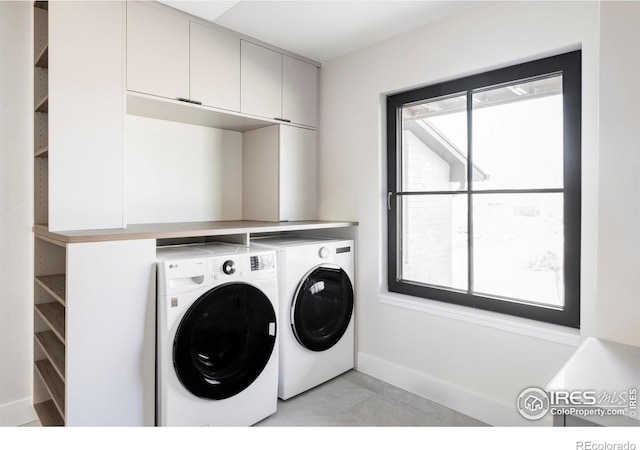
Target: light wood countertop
[(185, 230)]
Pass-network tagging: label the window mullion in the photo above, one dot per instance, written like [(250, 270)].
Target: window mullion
[(469, 196)]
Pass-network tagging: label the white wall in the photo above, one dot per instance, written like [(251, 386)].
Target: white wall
[(177, 172), (467, 364), (16, 214), (618, 308)]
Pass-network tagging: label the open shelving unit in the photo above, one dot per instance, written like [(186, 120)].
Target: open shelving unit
[(41, 111), (49, 349)]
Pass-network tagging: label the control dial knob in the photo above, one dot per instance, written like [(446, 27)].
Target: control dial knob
[(228, 267), (324, 253)]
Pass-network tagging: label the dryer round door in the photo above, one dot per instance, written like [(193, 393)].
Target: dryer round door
[(224, 341), (322, 308)]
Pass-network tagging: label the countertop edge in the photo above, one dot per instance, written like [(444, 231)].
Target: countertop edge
[(184, 230)]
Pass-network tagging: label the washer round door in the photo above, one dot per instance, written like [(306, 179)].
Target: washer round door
[(224, 341), (322, 308)]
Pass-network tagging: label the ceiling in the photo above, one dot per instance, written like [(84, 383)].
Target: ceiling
[(321, 30)]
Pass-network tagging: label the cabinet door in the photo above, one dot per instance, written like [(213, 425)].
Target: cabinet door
[(260, 174), (157, 52), (260, 81), (214, 68), (110, 328), (85, 119), (299, 91), (297, 173)]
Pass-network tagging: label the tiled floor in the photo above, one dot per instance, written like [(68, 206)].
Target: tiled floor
[(355, 399)]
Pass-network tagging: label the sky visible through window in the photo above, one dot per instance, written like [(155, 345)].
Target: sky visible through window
[(518, 237)]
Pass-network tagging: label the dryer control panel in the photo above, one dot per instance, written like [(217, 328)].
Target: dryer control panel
[(262, 262)]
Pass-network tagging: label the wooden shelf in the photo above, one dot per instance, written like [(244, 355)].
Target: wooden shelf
[(43, 152), (53, 314), (54, 349), (54, 285), (53, 383), (48, 414), (43, 105), (42, 59)]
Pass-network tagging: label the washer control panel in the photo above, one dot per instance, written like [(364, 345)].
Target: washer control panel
[(260, 265)]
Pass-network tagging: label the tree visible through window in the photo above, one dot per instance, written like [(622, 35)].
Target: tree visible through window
[(484, 190)]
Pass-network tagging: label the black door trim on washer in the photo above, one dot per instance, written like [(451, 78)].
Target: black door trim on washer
[(224, 341)]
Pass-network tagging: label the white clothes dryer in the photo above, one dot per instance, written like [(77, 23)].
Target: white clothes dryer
[(315, 279), (217, 343)]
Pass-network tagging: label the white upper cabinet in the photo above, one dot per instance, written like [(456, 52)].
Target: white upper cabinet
[(214, 68), (278, 86), (299, 91), (261, 81), (171, 56), (157, 51)]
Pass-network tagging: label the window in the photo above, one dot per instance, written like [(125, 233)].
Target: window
[(484, 190)]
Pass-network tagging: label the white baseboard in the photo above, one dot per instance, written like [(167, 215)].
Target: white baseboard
[(485, 409), (17, 413)]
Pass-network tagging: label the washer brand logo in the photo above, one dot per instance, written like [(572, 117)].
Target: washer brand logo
[(533, 403), (174, 302), (173, 266)]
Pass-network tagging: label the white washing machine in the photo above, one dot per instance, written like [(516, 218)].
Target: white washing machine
[(217, 343), (315, 279)]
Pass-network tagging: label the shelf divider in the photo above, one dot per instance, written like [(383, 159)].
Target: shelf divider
[(53, 383), (54, 349), (48, 414), (42, 60), (53, 314), (54, 285), (43, 152), (43, 105)]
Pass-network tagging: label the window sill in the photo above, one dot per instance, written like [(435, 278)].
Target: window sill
[(525, 327)]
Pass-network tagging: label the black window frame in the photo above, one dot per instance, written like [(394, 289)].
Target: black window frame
[(569, 65)]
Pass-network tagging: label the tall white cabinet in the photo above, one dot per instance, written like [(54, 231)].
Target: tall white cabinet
[(82, 291), (279, 174), (86, 105)]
